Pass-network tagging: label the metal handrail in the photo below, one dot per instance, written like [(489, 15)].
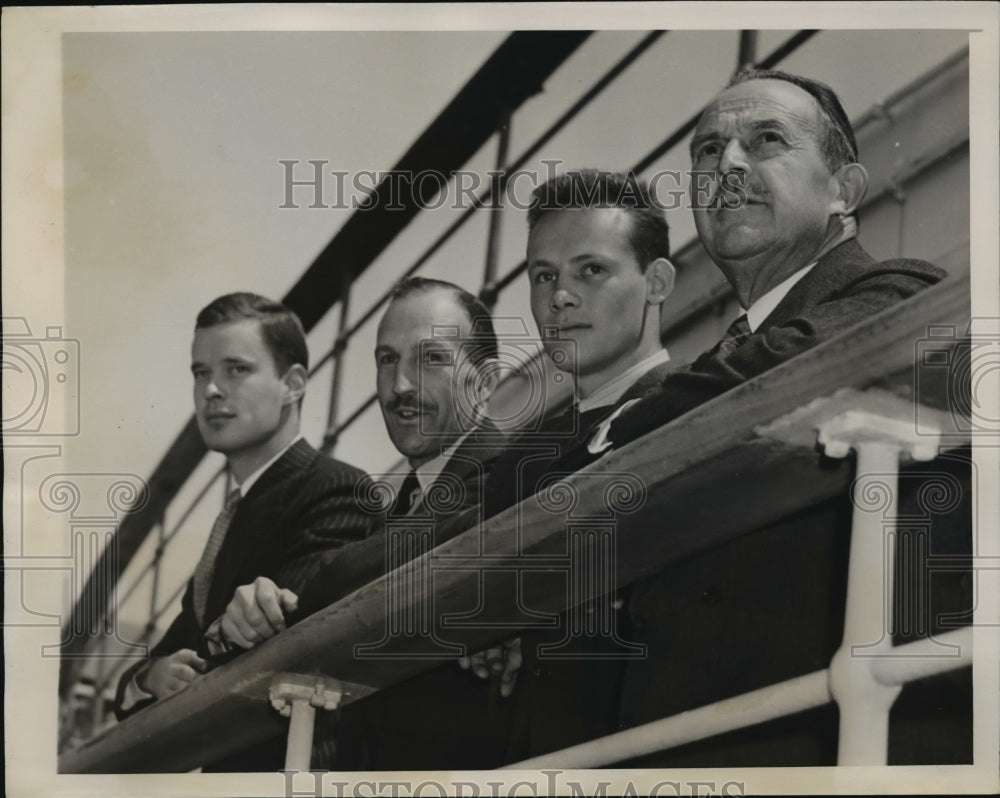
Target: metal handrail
[(757, 706)]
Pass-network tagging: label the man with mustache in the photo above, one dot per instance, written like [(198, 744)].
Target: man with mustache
[(436, 358), (776, 189), (768, 605), (249, 361)]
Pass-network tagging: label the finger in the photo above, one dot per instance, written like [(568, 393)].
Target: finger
[(244, 627), (232, 633), (289, 601), (514, 659), (250, 615), (175, 686), (507, 683), (189, 657), (269, 604), (184, 673), (479, 666), (494, 659)]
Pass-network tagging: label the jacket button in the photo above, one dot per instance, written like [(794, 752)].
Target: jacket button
[(537, 673), (711, 596)]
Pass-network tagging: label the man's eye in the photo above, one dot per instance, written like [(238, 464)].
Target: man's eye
[(199, 374), (385, 360), (437, 357), (238, 368), (769, 137), (709, 150), (594, 269), (542, 277)]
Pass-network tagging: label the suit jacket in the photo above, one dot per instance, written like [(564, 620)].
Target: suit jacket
[(556, 445), (769, 605), (302, 506), (561, 702), (845, 287), (444, 718)]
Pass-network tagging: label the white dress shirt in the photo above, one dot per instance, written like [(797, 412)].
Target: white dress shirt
[(762, 308), (612, 390)]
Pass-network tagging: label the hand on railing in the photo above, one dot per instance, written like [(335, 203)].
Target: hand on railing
[(168, 675), (256, 613), (501, 661)]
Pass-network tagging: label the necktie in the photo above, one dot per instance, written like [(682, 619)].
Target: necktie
[(206, 565), (735, 335), (408, 494)]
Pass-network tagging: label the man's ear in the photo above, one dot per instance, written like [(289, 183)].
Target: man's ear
[(851, 186), (487, 379), (295, 378), (659, 281)]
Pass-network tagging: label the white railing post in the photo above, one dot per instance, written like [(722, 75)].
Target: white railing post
[(297, 697), (864, 702)]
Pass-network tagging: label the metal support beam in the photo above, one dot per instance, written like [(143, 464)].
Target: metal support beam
[(297, 697), (747, 56), (863, 700), (339, 347), (489, 292)]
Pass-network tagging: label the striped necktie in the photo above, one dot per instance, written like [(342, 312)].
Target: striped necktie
[(206, 565), (735, 335)]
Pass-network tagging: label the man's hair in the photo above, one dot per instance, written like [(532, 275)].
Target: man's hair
[(279, 326), (591, 188), (482, 343), (837, 145)]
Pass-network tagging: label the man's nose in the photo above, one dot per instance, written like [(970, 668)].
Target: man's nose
[(563, 296), (403, 380), (212, 390), (734, 158)]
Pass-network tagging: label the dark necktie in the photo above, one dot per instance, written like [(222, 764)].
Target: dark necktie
[(407, 494), (735, 335), (206, 565)]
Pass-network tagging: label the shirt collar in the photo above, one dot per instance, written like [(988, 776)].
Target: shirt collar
[(248, 482), (612, 391), (762, 308), (429, 471)]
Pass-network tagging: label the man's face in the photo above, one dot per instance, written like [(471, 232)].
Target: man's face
[(420, 375), (770, 130), (587, 284), (240, 400)]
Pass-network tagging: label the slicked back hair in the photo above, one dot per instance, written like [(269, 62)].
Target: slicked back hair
[(838, 144), (482, 344), (280, 328), (591, 188)]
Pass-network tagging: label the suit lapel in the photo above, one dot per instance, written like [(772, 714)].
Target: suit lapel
[(831, 274), (243, 539)]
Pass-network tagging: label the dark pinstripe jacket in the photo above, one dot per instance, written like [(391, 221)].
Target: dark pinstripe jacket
[(302, 506)]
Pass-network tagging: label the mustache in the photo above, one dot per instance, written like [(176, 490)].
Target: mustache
[(731, 190), (409, 403)]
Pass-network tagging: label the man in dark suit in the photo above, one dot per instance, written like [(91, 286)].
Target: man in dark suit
[(776, 189), (783, 187), (436, 360), (599, 270), (249, 362)]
